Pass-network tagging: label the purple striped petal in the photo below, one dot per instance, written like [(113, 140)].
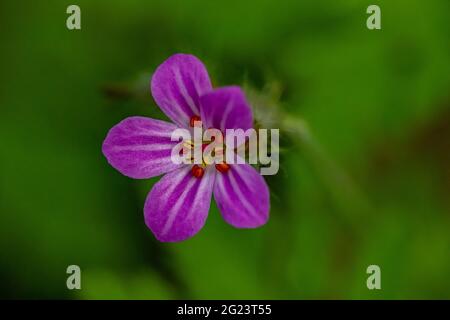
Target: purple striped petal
[(177, 85), (177, 207), (242, 196), (226, 108), (140, 147)]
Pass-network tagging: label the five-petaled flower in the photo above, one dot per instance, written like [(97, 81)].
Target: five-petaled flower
[(140, 148)]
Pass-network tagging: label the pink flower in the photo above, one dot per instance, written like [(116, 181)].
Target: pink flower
[(138, 147)]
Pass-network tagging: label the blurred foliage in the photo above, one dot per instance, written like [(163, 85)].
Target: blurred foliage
[(365, 167)]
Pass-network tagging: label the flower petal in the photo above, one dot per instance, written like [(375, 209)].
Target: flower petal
[(177, 206), (140, 147), (226, 108), (242, 196), (177, 85)]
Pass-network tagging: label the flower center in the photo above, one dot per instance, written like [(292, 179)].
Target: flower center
[(199, 170)]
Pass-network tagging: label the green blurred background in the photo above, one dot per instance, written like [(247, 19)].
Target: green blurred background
[(365, 163)]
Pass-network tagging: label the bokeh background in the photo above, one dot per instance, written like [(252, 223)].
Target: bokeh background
[(365, 162)]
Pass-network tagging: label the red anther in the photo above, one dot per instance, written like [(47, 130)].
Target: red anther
[(193, 120), (222, 167), (197, 171)]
